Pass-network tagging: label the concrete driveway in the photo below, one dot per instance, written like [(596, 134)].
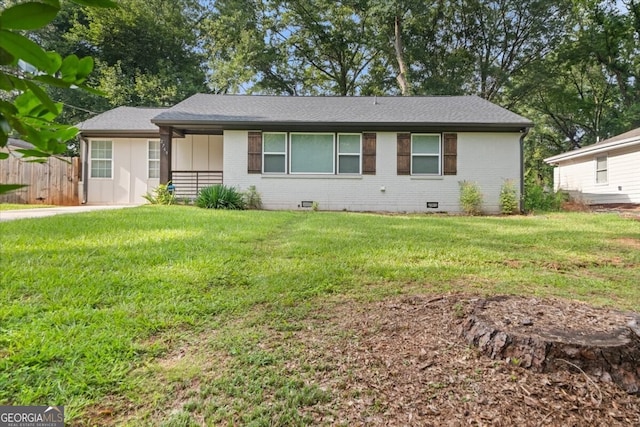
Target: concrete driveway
[(59, 210)]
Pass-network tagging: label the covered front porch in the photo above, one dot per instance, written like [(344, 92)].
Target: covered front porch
[(189, 161)]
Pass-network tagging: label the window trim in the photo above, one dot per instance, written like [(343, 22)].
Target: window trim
[(285, 152), (605, 169), (149, 159), (358, 155), (333, 153), (92, 159), (439, 155)]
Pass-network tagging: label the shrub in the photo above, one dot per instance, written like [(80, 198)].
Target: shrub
[(508, 197), (252, 198), (537, 199), (161, 196), (470, 198), (220, 197)]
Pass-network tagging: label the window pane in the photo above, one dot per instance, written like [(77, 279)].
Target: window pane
[(101, 169), (154, 169), (601, 177), (601, 163), (349, 144), (425, 165), (274, 142), (425, 144), (311, 153), (154, 150), (349, 164), (274, 163)]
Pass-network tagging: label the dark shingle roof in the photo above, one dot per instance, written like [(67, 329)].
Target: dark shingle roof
[(132, 120), (248, 112)]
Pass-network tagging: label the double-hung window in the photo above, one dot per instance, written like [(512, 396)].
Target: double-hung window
[(311, 153), (601, 170), (101, 157), (349, 149), (154, 159), (274, 152), (425, 154)]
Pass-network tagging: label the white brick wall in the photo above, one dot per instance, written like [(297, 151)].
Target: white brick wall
[(485, 158)]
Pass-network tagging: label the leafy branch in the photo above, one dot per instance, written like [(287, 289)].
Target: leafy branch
[(26, 111)]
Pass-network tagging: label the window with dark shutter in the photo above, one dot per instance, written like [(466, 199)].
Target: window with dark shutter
[(450, 153), (369, 154), (404, 154), (255, 153)]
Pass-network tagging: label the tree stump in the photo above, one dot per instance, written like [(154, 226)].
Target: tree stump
[(550, 335)]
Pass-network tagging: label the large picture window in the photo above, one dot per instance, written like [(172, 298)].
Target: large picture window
[(425, 154), (101, 157), (349, 149), (274, 152), (312, 153), (601, 170), (154, 159)]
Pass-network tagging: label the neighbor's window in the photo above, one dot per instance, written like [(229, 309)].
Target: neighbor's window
[(349, 153), (154, 159), (312, 153), (425, 154), (601, 170), (274, 151), (101, 159)]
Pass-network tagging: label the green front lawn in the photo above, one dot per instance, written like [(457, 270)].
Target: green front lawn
[(91, 302)]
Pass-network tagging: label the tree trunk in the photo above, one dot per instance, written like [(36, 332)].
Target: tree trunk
[(610, 356), (402, 76)]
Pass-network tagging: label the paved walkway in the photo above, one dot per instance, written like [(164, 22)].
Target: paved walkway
[(42, 212)]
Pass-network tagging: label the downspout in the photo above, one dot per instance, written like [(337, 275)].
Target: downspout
[(85, 170), (524, 133)]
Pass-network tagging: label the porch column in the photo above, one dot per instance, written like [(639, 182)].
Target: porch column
[(166, 133)]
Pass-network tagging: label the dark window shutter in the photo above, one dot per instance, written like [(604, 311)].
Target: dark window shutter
[(369, 154), (404, 154), (255, 152), (450, 153)]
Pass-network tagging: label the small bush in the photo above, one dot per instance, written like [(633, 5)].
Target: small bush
[(252, 198), (220, 197), (508, 197), (537, 199), (470, 198), (161, 196)]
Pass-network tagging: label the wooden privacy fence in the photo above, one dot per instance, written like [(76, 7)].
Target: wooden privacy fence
[(52, 183)]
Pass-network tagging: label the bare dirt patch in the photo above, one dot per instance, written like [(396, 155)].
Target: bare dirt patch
[(403, 362)]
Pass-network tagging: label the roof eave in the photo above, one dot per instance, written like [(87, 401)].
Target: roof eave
[(197, 126), (119, 133), (591, 150)]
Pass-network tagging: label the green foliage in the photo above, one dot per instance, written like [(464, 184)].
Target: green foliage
[(508, 197), (252, 198), (538, 199), (470, 198), (220, 197), (26, 70), (161, 196), (146, 51)]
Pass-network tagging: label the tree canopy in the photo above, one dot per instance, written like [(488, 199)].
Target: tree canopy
[(572, 66)]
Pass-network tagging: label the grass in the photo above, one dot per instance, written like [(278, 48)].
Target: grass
[(158, 304), (15, 206)]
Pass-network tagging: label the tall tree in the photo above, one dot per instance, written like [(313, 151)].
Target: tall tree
[(147, 53)]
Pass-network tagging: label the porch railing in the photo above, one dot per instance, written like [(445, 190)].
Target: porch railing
[(187, 184)]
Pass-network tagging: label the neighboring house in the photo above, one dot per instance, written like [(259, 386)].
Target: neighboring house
[(606, 172), (399, 154)]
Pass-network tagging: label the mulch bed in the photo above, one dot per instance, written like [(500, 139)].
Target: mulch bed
[(403, 362)]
